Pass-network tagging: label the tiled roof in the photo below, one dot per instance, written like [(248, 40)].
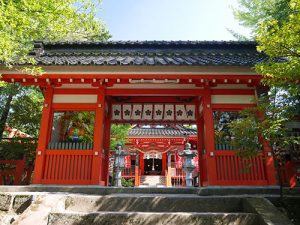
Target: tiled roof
[(164, 131), (196, 53)]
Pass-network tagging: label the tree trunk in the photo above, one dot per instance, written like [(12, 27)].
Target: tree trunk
[(5, 113), (279, 174)]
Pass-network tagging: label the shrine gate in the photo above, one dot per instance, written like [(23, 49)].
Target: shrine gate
[(87, 86)]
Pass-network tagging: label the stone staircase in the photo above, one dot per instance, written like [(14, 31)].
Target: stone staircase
[(153, 181), (150, 209), (143, 207)]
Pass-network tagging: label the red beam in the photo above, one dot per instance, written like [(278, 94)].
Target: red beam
[(73, 106), (232, 107), (158, 76), (160, 122), (154, 92), (155, 99), (74, 91)]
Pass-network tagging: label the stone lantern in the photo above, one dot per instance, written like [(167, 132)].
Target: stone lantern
[(188, 165), (119, 164)]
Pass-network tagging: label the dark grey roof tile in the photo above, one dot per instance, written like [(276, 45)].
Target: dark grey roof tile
[(148, 53), (160, 60)]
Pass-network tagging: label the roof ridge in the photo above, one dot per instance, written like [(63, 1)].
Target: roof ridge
[(144, 42)]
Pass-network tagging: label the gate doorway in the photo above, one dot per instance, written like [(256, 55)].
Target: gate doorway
[(160, 128), (153, 166)]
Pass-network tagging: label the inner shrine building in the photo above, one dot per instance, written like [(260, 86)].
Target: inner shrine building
[(175, 92)]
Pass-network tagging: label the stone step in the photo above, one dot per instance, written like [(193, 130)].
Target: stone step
[(204, 191), (153, 203), (126, 218), (152, 180)]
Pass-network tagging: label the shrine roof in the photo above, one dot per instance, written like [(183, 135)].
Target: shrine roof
[(195, 53), (164, 131)]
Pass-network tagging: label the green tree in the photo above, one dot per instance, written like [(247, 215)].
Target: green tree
[(280, 40), (22, 22), (251, 12), (118, 133), (25, 108), (278, 108), (276, 25)]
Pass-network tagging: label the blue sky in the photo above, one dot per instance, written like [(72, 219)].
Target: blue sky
[(170, 19)]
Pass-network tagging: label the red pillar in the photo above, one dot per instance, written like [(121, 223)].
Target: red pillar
[(209, 137), (164, 164), (98, 139), (269, 160), (43, 137), (142, 166), (269, 164), (200, 145), (106, 144)]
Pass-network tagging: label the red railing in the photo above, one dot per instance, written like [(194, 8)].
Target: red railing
[(128, 172), (233, 170), (14, 172), (68, 167), (177, 177)]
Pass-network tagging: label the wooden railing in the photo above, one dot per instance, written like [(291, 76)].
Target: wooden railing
[(15, 172), (68, 167), (223, 146), (70, 145), (17, 157), (233, 170), (128, 172), (177, 177)]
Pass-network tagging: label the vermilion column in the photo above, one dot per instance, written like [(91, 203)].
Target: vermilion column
[(107, 128), (269, 164), (269, 160), (98, 139), (209, 140), (200, 143), (164, 164), (142, 166), (43, 137)]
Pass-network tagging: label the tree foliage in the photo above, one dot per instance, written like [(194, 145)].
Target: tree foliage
[(26, 110), (267, 121), (280, 40), (22, 22), (276, 25), (245, 135), (118, 133), (251, 12)]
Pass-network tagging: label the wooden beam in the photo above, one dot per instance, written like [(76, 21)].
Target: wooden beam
[(154, 92)]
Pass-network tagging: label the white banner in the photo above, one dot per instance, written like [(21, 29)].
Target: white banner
[(147, 112), (190, 111), (116, 112), (180, 112), (169, 112), (137, 112), (127, 110), (158, 112)]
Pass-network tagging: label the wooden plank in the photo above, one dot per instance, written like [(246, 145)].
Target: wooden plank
[(69, 152)]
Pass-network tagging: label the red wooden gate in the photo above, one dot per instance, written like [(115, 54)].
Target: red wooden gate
[(233, 170), (68, 167)]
